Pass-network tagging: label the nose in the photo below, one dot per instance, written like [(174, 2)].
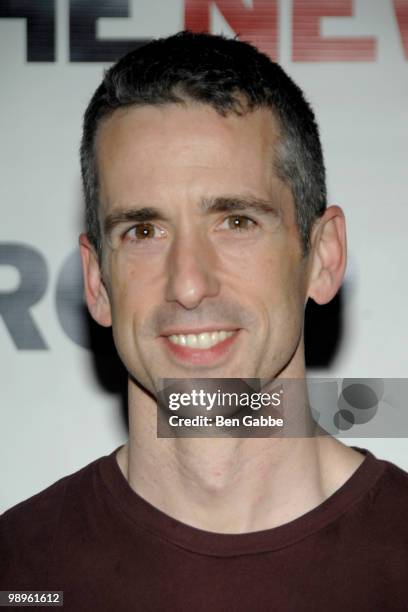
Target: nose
[(191, 270)]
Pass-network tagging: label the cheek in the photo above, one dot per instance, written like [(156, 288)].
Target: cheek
[(278, 286), (133, 295), (123, 292)]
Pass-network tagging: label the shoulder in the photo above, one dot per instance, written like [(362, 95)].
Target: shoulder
[(383, 509), (28, 530), (383, 526), (392, 487)]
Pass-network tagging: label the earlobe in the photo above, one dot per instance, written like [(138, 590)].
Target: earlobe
[(96, 295), (329, 253)]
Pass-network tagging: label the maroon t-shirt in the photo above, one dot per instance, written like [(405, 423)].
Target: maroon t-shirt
[(92, 537)]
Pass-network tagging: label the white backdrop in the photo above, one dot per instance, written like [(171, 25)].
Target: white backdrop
[(55, 415)]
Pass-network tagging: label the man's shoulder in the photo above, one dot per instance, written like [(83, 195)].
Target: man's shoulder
[(393, 485), (380, 480), (380, 513), (46, 502), (28, 529), (394, 477)]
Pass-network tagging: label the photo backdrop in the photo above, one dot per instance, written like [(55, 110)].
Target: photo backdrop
[(60, 407)]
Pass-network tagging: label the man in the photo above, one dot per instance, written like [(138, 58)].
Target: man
[(207, 232)]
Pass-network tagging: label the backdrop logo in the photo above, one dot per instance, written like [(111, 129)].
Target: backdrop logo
[(257, 23), (16, 306)]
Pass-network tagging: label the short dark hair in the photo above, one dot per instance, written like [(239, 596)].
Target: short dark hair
[(231, 76)]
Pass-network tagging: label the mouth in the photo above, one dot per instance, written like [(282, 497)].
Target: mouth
[(204, 347)]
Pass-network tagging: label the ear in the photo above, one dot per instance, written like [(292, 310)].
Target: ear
[(328, 255), (96, 295)]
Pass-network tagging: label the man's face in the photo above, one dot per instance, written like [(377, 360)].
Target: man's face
[(202, 257)]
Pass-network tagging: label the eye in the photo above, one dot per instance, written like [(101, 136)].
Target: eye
[(142, 231), (238, 223)]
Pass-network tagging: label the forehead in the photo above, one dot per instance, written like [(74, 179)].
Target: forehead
[(154, 153)]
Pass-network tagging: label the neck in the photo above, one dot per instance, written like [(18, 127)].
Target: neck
[(230, 485)]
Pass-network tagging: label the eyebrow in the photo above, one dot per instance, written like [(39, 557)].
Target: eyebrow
[(207, 206), (238, 203), (134, 215)]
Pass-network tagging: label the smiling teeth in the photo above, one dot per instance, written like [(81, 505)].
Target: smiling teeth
[(200, 341)]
